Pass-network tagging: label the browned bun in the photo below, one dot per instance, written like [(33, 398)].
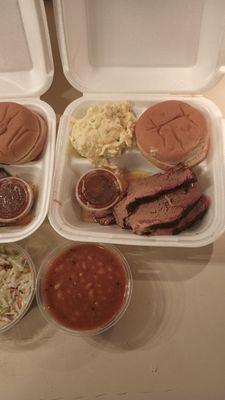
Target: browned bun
[(38, 145), (172, 132), (22, 133)]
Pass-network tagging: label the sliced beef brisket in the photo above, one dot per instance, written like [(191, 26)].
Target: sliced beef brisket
[(165, 211), (151, 187), (194, 215), (120, 213)]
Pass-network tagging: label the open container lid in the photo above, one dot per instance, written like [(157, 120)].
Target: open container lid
[(26, 66), (141, 46)]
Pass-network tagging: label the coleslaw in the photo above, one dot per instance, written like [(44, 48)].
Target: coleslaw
[(16, 283)]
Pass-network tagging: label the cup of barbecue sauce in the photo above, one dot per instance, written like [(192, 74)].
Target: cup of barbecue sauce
[(98, 190), (16, 199), (84, 288)]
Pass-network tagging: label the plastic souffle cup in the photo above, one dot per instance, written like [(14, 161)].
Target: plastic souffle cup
[(18, 249), (41, 286)]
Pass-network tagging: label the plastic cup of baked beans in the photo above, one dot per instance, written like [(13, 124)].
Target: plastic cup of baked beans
[(84, 288)]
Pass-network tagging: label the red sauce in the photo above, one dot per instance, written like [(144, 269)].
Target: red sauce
[(15, 198), (98, 189), (85, 287)]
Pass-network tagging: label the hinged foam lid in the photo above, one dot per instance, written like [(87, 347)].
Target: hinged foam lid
[(26, 67), (141, 46)]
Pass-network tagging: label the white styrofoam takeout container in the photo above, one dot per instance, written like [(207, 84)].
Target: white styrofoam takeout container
[(26, 72), (144, 52)]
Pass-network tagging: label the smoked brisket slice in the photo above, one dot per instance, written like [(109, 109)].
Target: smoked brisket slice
[(120, 213), (164, 212), (151, 187), (194, 215)]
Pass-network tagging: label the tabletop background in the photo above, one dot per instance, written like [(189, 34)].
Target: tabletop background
[(169, 345)]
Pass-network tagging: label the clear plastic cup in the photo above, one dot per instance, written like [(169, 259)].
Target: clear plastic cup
[(50, 317), (12, 183), (100, 208), (24, 309)]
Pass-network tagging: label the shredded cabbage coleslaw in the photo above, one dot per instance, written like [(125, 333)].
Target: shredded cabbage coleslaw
[(16, 284)]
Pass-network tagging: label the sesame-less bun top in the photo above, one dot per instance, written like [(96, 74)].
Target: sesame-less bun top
[(172, 132), (22, 133)]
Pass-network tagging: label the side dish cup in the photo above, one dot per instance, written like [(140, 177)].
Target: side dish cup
[(18, 251), (41, 286), (98, 190)]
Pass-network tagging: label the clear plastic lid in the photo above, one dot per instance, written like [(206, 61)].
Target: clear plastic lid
[(141, 46), (26, 66)]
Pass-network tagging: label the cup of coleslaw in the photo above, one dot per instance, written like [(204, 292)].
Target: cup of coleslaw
[(17, 284)]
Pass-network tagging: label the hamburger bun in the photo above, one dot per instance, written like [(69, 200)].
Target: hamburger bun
[(38, 146), (172, 132), (22, 134)]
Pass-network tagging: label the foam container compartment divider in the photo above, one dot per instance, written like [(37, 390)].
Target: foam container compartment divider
[(104, 64)]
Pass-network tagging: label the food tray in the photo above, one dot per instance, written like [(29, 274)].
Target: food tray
[(132, 51), (26, 72), (66, 218), (38, 172)]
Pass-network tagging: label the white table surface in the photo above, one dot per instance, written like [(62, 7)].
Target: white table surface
[(169, 345)]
